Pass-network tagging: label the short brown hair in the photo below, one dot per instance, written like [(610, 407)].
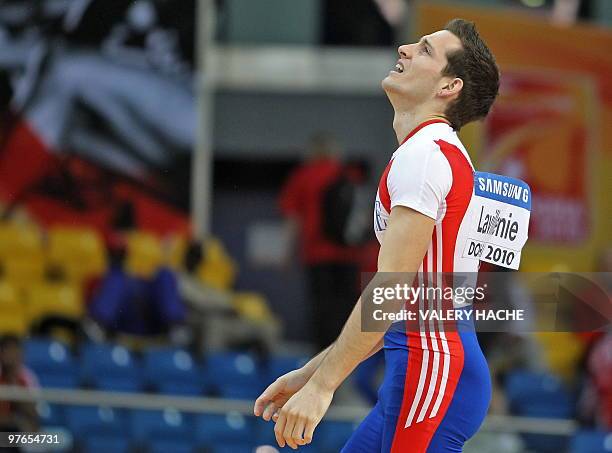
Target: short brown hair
[(475, 65)]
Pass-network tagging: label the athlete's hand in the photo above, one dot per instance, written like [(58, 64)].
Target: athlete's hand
[(299, 417), (277, 393)]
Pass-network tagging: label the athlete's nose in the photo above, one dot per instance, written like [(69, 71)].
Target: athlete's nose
[(405, 51)]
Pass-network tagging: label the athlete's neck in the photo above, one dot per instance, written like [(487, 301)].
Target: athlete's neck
[(405, 122)]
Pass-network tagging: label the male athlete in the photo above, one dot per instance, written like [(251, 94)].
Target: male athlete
[(436, 389)]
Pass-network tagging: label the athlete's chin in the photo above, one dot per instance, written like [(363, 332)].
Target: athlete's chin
[(393, 89), (389, 85)]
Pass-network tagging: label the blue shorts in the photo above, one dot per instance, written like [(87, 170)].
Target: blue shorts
[(434, 397)]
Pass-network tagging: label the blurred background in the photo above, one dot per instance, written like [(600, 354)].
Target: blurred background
[(166, 170)]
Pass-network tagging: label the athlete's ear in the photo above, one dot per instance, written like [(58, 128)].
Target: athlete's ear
[(451, 87)]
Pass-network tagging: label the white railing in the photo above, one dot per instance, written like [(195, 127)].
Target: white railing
[(493, 423)]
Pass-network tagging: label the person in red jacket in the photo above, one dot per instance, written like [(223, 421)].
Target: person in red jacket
[(331, 268)]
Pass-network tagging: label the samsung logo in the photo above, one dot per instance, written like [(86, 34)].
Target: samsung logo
[(503, 188)]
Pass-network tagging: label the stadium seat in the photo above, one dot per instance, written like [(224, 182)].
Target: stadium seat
[(173, 371), (591, 442), (13, 321), (153, 427), (234, 447), (105, 444), (19, 241), (212, 429), (8, 294), (12, 314), (177, 446), (86, 421), (331, 435), (144, 254), (252, 306), (79, 252), (562, 352), (279, 365), (54, 299), (539, 395), (50, 415), (544, 443), (175, 247), (217, 269), (110, 367), (52, 362), (234, 375), (23, 271), (531, 393)]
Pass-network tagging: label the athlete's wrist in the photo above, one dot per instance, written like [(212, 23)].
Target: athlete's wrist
[(322, 383)]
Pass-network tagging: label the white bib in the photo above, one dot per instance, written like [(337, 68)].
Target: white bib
[(498, 216)]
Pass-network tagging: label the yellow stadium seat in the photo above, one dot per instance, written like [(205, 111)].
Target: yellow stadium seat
[(23, 271), (252, 306), (13, 319), (54, 299), (18, 240), (144, 254), (8, 294), (79, 252), (217, 269), (176, 247), (563, 351)]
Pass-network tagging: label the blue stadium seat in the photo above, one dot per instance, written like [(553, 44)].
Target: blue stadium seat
[(153, 427), (532, 392), (173, 371), (111, 367), (591, 442), (52, 362), (234, 375), (330, 436), (85, 421), (233, 447), (212, 429), (50, 415), (545, 443), (176, 446), (539, 395), (279, 365), (264, 432), (105, 444)]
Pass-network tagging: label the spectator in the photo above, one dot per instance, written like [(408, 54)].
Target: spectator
[(133, 305), (331, 267), (194, 291), (595, 405), (213, 312), (16, 416)]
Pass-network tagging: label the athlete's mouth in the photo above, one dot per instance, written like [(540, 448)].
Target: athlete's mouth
[(399, 67)]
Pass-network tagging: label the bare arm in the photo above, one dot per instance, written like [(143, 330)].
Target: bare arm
[(313, 364), (406, 240), (283, 388)]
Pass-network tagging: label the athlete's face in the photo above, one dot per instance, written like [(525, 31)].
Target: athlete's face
[(417, 76)]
